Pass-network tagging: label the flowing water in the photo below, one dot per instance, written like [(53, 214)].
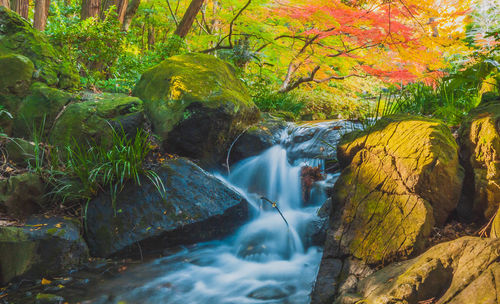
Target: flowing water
[(268, 260)]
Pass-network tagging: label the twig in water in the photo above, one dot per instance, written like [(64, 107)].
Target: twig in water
[(275, 205), (231, 147)]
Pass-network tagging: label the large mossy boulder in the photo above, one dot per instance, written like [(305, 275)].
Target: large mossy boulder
[(479, 139), (94, 119), (22, 195), (40, 248), (401, 178), (196, 207), (197, 105), (17, 36), (462, 271)]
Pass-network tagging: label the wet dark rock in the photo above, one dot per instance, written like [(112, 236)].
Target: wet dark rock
[(317, 228), (258, 138), (41, 248), (310, 141), (197, 207)]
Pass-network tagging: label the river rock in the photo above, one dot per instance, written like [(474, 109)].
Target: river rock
[(19, 37), (462, 271), (400, 180), (480, 152), (197, 105), (42, 247), (196, 207), (95, 118), (265, 134), (22, 195)]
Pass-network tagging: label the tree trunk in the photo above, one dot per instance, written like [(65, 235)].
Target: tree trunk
[(90, 8), (121, 7), (5, 3), (188, 18), (132, 7), (41, 14), (151, 37), (21, 7)]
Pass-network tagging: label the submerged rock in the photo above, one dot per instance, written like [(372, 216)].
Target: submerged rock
[(19, 37), (197, 105), (40, 248), (479, 139), (197, 207), (461, 271)]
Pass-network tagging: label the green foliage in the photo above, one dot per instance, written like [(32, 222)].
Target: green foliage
[(269, 99), (94, 44), (88, 169)]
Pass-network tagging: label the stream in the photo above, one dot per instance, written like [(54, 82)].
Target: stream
[(270, 259)]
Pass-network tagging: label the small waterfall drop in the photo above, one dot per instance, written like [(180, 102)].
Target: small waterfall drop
[(268, 260)]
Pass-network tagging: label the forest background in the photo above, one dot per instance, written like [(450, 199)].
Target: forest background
[(301, 60)]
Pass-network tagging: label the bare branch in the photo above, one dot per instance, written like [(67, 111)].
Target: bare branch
[(172, 13)]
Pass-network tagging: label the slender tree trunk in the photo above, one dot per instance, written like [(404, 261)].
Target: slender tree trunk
[(21, 7), (90, 8), (151, 37), (130, 11), (5, 3), (41, 14), (121, 7), (188, 18)]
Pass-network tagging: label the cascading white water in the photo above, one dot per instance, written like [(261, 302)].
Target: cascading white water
[(265, 261)]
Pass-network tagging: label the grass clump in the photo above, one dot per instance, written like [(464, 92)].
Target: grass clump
[(88, 169)]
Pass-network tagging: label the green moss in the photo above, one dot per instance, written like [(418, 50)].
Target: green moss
[(16, 74), (170, 87), (89, 120), (39, 108), (19, 37)]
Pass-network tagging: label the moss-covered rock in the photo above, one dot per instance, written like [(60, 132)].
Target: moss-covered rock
[(16, 73), (197, 104), (94, 119), (20, 151), (196, 207), (462, 271), (39, 110), (400, 179), (479, 139), (41, 248), (17, 36), (22, 195)]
